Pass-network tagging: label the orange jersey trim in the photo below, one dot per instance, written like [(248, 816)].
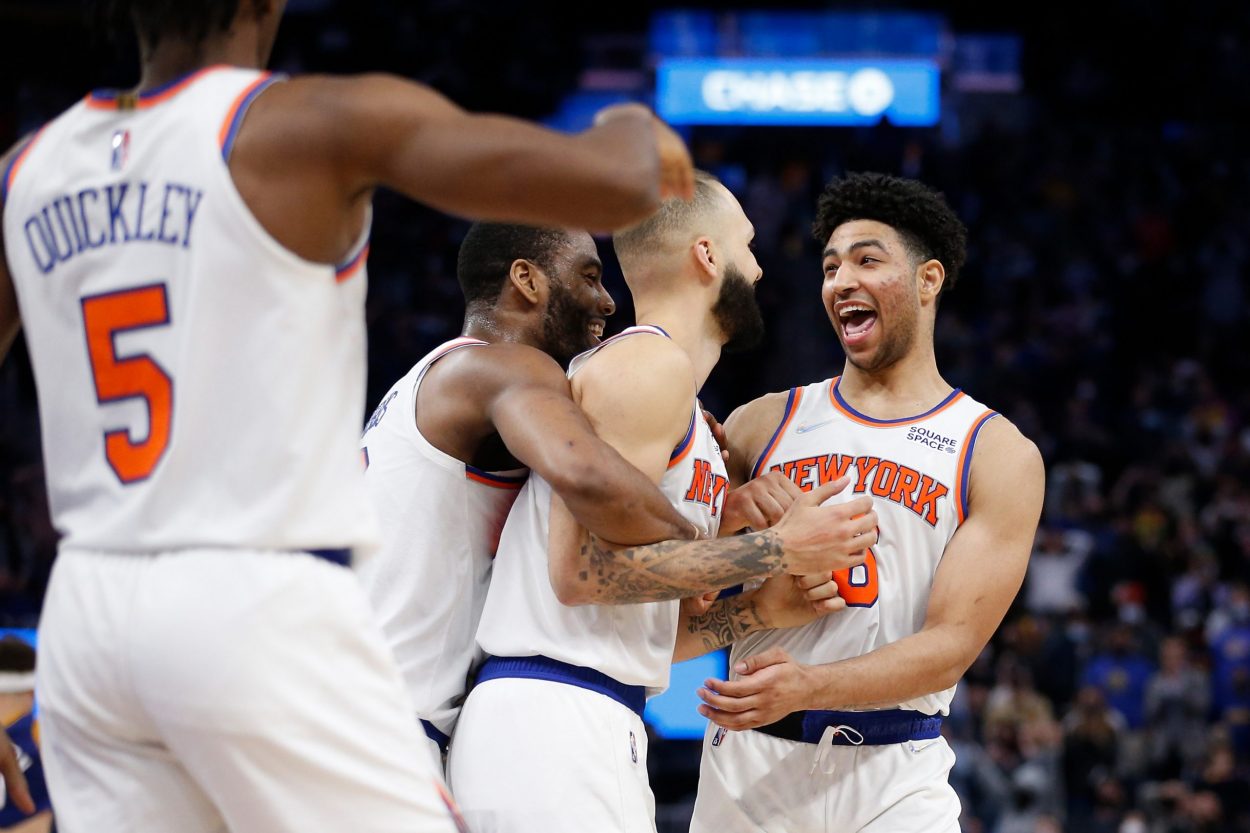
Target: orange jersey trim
[(964, 466), (841, 406), (111, 100), (792, 407)]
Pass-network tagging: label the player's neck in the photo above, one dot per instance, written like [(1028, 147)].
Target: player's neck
[(500, 328), (697, 335), (910, 386), (174, 58)]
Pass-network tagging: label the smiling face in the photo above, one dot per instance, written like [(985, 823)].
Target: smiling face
[(577, 302), (871, 293)]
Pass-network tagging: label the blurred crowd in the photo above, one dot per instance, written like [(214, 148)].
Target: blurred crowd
[(1103, 309)]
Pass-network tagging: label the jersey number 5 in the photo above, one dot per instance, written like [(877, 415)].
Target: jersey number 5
[(858, 585), (136, 376)]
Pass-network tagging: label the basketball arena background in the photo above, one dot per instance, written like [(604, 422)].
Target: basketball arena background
[(1098, 155)]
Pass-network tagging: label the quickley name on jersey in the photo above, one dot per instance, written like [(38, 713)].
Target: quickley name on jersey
[(111, 215)]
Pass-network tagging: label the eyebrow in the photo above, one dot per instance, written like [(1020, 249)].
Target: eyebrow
[(858, 244)]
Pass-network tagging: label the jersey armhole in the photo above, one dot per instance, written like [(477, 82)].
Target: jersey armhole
[(792, 405), (238, 111), (964, 467)]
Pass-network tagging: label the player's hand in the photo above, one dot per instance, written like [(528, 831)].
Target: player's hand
[(787, 601), (758, 504), (14, 778), (824, 539), (698, 605), (771, 686), (718, 433), (676, 167)]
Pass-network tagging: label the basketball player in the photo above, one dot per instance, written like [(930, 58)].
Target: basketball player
[(551, 738), (845, 712), (188, 258), (449, 445)]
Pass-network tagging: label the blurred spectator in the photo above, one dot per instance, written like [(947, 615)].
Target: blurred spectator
[(1091, 749), (1178, 697), (1056, 564), (1121, 673)]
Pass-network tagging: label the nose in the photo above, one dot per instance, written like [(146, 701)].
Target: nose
[(606, 305), (844, 280)]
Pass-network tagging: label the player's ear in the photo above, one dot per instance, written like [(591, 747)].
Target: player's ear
[(706, 259), (930, 277), (527, 279)]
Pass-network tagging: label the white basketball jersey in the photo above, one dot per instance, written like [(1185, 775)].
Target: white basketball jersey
[(916, 472), (441, 521), (199, 385), (631, 643)]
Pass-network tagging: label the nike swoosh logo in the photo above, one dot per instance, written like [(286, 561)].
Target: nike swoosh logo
[(803, 429)]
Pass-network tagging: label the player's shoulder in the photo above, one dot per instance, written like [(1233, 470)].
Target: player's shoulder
[(641, 356), (637, 373), (362, 97), (1005, 458), (498, 365), (759, 416)]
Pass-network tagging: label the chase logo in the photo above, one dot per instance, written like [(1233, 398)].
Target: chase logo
[(798, 92)]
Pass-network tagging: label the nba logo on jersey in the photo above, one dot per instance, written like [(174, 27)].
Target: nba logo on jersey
[(719, 736), (121, 149)]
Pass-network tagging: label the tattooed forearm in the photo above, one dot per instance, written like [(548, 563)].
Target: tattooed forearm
[(675, 569), (725, 622)]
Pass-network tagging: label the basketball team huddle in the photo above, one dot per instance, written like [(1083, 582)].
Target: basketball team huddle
[(261, 619)]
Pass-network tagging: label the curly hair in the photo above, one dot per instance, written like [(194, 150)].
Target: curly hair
[(191, 20), (920, 215)]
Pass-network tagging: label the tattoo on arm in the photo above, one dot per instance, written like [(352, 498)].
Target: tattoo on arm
[(676, 569), (725, 622)]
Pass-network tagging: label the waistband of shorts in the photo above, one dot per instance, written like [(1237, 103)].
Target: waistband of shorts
[(433, 733), (879, 728), (632, 697)]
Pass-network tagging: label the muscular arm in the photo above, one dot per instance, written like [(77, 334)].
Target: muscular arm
[(980, 573), (724, 623), (535, 416), (324, 144)]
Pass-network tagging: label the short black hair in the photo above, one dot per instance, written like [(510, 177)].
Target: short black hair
[(673, 215), (489, 250), (919, 214), (155, 20)]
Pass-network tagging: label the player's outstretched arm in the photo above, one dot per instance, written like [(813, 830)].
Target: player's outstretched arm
[(386, 131), (638, 396), (530, 406), (979, 576)]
